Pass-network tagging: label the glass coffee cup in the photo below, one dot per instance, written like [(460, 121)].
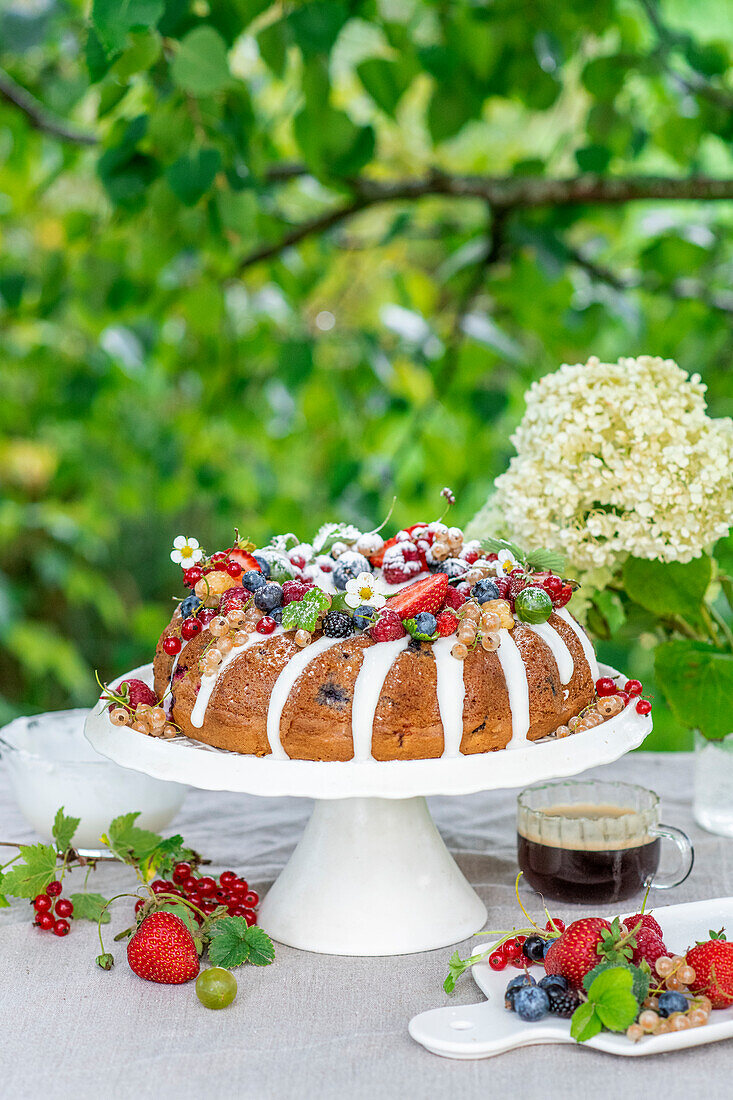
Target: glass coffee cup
[(595, 842)]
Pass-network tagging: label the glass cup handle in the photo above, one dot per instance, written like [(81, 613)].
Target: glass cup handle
[(684, 847)]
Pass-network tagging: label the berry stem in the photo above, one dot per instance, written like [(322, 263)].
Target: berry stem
[(516, 891)]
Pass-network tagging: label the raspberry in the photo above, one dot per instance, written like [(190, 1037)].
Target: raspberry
[(647, 921), (502, 583), (294, 590), (447, 623), (454, 598), (388, 627), (131, 693), (396, 570), (517, 581)]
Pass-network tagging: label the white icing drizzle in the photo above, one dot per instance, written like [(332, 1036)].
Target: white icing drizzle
[(583, 639), (378, 660), (561, 653), (517, 687), (451, 691), (283, 686), (208, 683)]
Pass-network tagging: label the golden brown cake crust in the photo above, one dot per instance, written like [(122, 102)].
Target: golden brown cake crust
[(316, 719)]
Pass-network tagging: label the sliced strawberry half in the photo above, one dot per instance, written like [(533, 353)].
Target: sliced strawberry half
[(423, 595), (245, 559)]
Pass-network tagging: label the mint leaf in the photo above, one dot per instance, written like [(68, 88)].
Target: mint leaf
[(540, 560), (90, 907), (27, 879), (584, 1023), (128, 841), (311, 606), (610, 979), (331, 533), (233, 943), (697, 680), (63, 829), (291, 616), (668, 588)]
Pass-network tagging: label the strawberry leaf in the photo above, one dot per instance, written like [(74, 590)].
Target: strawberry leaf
[(639, 977), (584, 1023), (105, 960), (63, 829), (610, 993), (32, 876), (541, 560), (233, 943), (90, 907)]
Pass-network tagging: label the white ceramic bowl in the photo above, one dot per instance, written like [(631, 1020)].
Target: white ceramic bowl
[(51, 764)]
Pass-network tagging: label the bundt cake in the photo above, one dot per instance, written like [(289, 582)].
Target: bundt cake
[(353, 648)]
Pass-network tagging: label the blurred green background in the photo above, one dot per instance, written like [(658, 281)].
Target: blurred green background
[(210, 318)]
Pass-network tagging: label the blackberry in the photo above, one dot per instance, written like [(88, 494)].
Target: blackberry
[(190, 606), (253, 580), (269, 596), (533, 948), (338, 624), (348, 567), (563, 1002), (484, 590), (364, 616)]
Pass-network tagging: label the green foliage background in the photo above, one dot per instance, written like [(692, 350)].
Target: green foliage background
[(169, 365)]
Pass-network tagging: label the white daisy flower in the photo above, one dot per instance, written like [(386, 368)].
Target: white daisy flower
[(185, 551), (365, 589), (506, 561)]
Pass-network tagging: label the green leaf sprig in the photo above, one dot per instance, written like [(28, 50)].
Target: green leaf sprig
[(611, 1005)]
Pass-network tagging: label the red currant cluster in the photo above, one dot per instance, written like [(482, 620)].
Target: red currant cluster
[(511, 951), (52, 910), (206, 893), (632, 689)]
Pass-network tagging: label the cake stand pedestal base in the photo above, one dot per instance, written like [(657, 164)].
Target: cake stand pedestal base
[(371, 876)]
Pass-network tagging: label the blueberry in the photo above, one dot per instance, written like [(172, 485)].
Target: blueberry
[(263, 564), (454, 567), (546, 948), (554, 981), (533, 948), (426, 623), (484, 590), (269, 596), (190, 606), (253, 580), (364, 616), (348, 567), (514, 985), (276, 614), (531, 1003), (671, 1001)]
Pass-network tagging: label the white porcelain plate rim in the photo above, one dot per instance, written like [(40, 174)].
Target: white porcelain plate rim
[(187, 761), (497, 1031)]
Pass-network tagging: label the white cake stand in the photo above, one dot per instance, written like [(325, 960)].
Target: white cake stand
[(371, 874)]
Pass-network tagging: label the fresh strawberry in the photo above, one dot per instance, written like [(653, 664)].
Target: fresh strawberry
[(454, 598), (713, 964), (447, 622), (162, 950), (427, 594), (377, 558), (130, 694), (388, 627), (576, 951), (647, 921)]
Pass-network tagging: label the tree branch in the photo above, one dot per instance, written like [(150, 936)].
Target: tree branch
[(39, 116), (501, 194)]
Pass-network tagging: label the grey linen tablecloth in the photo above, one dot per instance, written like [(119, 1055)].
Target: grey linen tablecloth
[(311, 1025)]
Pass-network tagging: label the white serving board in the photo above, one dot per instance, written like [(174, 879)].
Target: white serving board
[(199, 765), (485, 1029)]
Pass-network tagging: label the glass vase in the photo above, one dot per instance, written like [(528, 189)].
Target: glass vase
[(713, 801)]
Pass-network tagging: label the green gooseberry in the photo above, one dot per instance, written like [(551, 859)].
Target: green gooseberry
[(533, 605)]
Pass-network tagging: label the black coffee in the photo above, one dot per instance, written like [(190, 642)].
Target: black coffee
[(587, 876)]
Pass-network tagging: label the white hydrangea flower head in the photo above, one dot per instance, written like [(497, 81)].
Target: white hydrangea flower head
[(618, 459)]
